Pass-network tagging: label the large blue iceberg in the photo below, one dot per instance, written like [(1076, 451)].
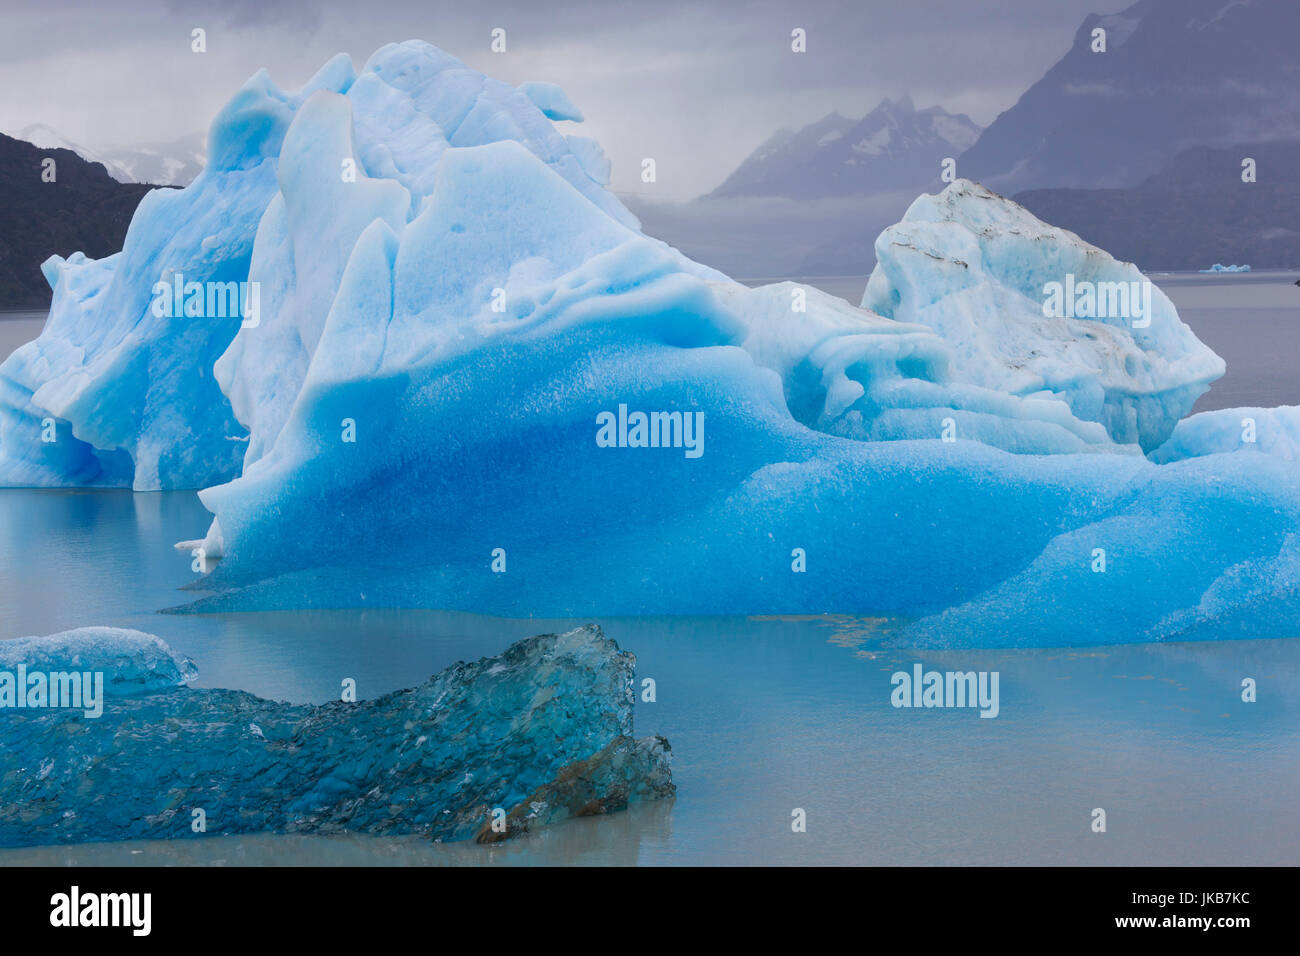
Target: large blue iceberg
[(470, 381), (486, 750)]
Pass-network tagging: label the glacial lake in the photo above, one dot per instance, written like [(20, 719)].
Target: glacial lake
[(765, 715)]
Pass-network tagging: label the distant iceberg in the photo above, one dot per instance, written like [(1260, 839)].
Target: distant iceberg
[(451, 310), (132, 662), (486, 751), (1220, 267)]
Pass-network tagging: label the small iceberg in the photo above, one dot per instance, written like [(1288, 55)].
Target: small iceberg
[(1220, 267), (132, 662), (486, 750)]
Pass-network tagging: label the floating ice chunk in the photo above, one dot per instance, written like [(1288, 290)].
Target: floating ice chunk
[(128, 393), (132, 662), (549, 721)]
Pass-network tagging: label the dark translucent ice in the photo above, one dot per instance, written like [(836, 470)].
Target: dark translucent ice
[(542, 732)]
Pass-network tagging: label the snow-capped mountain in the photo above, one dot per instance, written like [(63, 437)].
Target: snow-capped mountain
[(174, 163), (1174, 74), (894, 146), (43, 137)]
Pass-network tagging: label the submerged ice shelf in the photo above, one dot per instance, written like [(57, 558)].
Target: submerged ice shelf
[(538, 734), (450, 303)]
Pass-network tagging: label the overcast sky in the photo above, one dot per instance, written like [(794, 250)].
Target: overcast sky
[(697, 85)]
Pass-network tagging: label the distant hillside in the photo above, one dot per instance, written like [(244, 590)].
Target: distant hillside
[(84, 210), (174, 163), (893, 146), (1175, 74), (1193, 213)]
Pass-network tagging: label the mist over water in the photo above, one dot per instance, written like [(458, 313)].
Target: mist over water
[(18, 328)]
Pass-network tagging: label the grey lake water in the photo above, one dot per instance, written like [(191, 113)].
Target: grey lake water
[(765, 715)]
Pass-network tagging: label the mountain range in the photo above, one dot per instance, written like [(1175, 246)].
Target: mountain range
[(893, 146), (1137, 148), (173, 163), (1195, 211), (1175, 74)]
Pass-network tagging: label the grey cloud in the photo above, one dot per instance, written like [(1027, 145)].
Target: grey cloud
[(697, 85)]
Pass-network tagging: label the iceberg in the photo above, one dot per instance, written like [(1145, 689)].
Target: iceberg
[(1220, 267), (453, 309), (485, 750), (982, 271), (113, 394), (132, 662)]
